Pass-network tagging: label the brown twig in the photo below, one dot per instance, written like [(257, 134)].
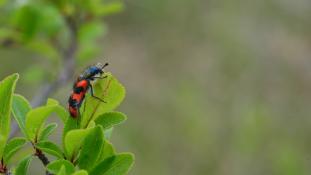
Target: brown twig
[(45, 161), (68, 58), (4, 169)]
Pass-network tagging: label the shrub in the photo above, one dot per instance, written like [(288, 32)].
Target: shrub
[(85, 148)]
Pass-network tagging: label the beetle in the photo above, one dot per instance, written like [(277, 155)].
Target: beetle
[(82, 85)]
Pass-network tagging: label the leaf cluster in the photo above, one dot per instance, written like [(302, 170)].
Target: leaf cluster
[(85, 148)]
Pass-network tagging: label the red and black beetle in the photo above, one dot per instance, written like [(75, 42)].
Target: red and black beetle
[(82, 85)]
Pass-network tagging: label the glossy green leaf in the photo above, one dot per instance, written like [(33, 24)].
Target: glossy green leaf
[(80, 172), (62, 113), (51, 102), (108, 89), (109, 119), (12, 147), (92, 124), (94, 142), (60, 110), (47, 131), (114, 165), (70, 124), (62, 171), (55, 166), (107, 151), (50, 148), (73, 141), (7, 87), (20, 108), (35, 119), (23, 166)]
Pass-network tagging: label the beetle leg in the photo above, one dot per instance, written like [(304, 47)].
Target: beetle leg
[(100, 77), (92, 94)]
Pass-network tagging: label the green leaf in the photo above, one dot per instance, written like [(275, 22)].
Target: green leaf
[(20, 108), (107, 151), (70, 124), (33, 19), (12, 147), (7, 87), (55, 166), (22, 166), (109, 119), (94, 142), (60, 110), (73, 141), (62, 113), (92, 124), (51, 102), (27, 20), (62, 171), (47, 131), (51, 20), (114, 165), (108, 89), (50, 148), (35, 119), (80, 172)]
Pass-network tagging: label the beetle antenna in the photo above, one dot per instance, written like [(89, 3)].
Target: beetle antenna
[(100, 66), (106, 64)]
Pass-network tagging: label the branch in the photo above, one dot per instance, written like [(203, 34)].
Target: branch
[(68, 58), (4, 169), (62, 79), (45, 161), (42, 157)]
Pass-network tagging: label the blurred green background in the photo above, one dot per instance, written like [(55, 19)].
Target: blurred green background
[(214, 87)]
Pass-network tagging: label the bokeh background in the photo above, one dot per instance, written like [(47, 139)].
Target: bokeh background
[(214, 87)]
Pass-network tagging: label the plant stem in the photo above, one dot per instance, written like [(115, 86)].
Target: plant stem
[(3, 168), (45, 161), (42, 157)]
